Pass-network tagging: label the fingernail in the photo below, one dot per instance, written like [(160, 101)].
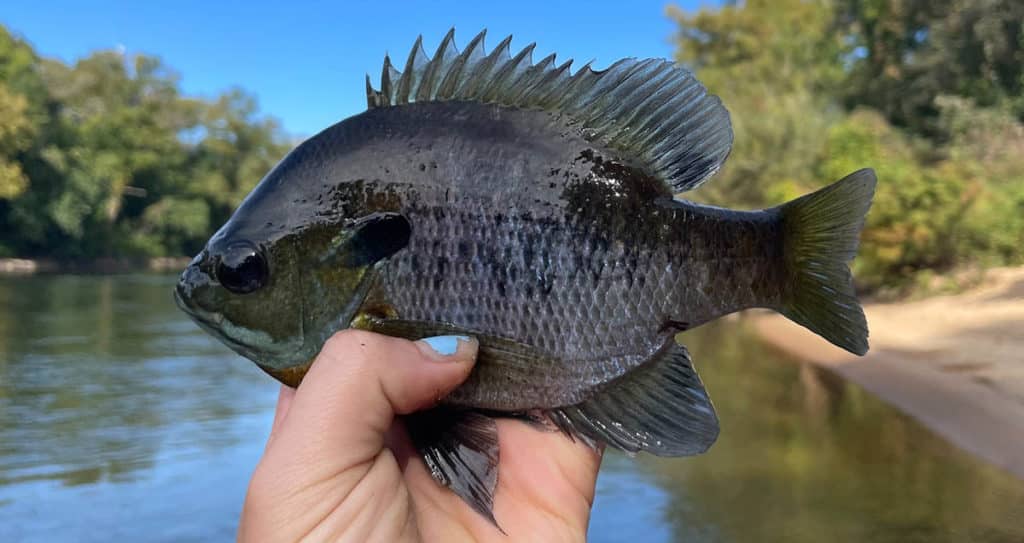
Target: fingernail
[(444, 345)]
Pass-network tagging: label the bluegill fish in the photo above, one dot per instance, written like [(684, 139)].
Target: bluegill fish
[(533, 208)]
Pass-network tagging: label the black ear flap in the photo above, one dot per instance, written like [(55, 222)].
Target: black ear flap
[(374, 238)]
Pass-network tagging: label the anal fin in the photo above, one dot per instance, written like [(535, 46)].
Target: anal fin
[(460, 449), (660, 407)]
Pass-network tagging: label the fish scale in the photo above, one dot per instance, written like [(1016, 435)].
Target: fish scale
[(530, 207), (605, 319)]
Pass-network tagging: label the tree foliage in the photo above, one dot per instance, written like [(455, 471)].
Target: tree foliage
[(929, 93), (909, 53), (106, 157)]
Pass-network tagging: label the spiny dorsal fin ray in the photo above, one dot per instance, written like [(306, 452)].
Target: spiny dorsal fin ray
[(432, 74), (505, 76), (414, 66), (655, 114)]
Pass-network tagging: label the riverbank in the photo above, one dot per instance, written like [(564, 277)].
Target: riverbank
[(25, 266), (955, 363)]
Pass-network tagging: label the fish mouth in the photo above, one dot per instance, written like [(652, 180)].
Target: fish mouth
[(215, 324), (210, 322), (211, 326), (197, 314)]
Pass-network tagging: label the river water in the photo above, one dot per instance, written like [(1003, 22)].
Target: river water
[(120, 420)]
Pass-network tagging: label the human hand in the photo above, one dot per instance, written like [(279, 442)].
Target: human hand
[(338, 465)]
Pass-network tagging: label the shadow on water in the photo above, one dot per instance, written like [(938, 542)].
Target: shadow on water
[(119, 419)]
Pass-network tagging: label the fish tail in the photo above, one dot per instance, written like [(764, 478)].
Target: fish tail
[(821, 234)]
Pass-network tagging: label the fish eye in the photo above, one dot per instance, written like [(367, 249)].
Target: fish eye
[(242, 268)]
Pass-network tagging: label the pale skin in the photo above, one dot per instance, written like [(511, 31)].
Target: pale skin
[(338, 465)]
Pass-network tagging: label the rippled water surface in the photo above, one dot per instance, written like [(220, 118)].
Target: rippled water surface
[(119, 420)]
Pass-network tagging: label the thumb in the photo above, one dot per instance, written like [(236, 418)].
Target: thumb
[(361, 380), (330, 438)]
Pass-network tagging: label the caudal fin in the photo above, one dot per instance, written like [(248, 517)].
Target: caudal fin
[(822, 230)]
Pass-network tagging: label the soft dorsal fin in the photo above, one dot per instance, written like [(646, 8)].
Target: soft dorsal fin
[(653, 112)]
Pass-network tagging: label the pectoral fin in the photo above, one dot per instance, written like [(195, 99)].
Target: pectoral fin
[(660, 407), (460, 448)]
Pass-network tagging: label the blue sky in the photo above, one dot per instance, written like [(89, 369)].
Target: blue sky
[(306, 61)]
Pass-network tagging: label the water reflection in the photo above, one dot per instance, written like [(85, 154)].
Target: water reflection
[(118, 415), (805, 456), (119, 419)]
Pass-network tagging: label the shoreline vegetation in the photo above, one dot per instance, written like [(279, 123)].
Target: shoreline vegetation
[(952, 362), (106, 156), (32, 266)]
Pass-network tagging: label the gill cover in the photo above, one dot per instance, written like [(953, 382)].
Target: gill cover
[(371, 239)]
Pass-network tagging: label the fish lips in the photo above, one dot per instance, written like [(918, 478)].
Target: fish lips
[(211, 323)]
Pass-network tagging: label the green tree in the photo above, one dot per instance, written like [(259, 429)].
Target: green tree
[(774, 63), (919, 208), (908, 53), (119, 121), (24, 122), (237, 150), (106, 157), (16, 132), (927, 93)]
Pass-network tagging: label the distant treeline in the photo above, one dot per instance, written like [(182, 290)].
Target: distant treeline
[(108, 158), (930, 93)]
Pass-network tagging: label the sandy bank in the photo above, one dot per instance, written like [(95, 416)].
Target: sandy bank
[(956, 363)]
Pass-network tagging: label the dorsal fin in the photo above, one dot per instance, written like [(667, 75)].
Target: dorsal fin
[(653, 112)]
